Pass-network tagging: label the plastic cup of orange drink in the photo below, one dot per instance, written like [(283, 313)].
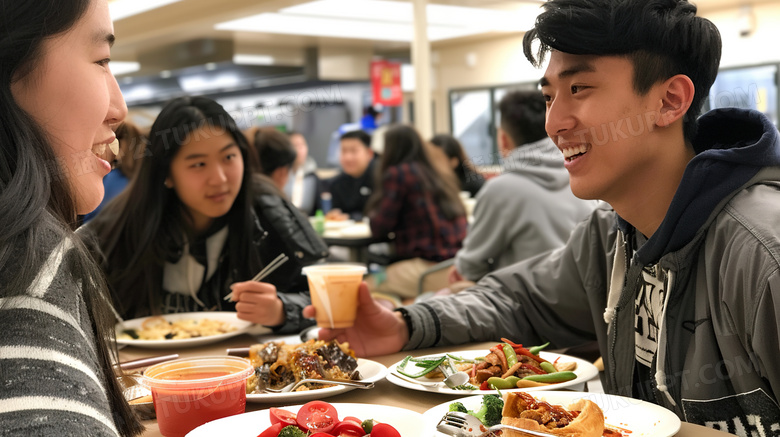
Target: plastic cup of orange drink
[(334, 293), (192, 391)]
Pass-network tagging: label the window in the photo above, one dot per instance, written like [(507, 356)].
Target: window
[(748, 88)]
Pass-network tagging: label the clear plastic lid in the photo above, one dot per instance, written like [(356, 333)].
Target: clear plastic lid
[(198, 372)]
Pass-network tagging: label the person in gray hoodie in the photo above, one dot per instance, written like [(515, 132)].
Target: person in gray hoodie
[(678, 279), (528, 209)]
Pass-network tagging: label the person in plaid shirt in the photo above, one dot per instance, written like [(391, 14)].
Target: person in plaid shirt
[(417, 203)]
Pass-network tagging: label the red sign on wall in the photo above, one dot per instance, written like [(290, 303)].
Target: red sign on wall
[(386, 83)]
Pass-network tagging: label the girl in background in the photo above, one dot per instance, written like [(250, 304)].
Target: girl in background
[(276, 155), (195, 223), (469, 177), (58, 104), (417, 201)]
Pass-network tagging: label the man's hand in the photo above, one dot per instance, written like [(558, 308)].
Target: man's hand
[(455, 276), (257, 302), (377, 330)]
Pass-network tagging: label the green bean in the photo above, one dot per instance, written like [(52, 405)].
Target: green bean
[(461, 359), (536, 349), (547, 367), (552, 377), (511, 356), (503, 383), (400, 368)]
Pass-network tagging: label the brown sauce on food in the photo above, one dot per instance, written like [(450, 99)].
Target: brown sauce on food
[(560, 416), (555, 413)]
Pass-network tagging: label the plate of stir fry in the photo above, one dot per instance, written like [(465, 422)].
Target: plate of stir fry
[(278, 365), (505, 366)]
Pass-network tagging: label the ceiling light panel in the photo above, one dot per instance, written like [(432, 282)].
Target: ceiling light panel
[(120, 9), (384, 10), (383, 20), (119, 68)]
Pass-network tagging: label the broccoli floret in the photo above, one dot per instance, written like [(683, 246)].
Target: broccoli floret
[(291, 431), (459, 407), (490, 411)]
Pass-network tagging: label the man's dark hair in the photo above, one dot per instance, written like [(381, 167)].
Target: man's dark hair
[(522, 116), (358, 135), (661, 38), (274, 150)]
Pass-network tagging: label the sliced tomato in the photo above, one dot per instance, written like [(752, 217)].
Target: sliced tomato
[(282, 416), (317, 416), (352, 419), (273, 431), (322, 434), (384, 430), (348, 428)]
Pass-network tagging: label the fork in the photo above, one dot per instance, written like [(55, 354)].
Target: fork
[(465, 425), (292, 386)]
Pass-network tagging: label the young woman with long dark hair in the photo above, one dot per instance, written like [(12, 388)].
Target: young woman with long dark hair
[(195, 222), (416, 199), (470, 178), (59, 104)]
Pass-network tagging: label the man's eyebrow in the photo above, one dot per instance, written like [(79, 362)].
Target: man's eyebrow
[(583, 67), (104, 37)]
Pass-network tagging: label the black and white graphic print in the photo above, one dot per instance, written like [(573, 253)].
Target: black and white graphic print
[(752, 414), (649, 307)]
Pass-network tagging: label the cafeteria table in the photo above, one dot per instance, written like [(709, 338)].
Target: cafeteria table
[(385, 392)]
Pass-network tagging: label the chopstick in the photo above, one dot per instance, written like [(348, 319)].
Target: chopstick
[(146, 362), (273, 265)]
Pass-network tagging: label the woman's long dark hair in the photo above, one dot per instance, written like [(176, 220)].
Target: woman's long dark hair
[(454, 149), (404, 145), (36, 203), (140, 228)]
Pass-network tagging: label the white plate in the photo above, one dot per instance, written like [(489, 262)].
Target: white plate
[(371, 371), (408, 423), (222, 316), (584, 371), (642, 419), (338, 224)]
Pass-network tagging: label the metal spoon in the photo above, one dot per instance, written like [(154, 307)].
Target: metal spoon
[(452, 377)]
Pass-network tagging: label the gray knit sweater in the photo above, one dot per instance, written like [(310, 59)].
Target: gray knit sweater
[(50, 382)]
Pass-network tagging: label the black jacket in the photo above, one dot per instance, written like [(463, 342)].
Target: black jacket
[(351, 194), (278, 227)]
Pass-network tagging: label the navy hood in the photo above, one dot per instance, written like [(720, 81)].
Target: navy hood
[(731, 146)]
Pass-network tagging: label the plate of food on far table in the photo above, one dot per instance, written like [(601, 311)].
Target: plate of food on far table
[(505, 366), (180, 330)]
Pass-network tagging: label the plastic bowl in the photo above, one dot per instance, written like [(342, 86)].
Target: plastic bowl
[(192, 391)]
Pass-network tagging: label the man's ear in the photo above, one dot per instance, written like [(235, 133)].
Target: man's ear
[(504, 143), (677, 96)]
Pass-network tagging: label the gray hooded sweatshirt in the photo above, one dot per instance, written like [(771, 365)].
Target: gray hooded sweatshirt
[(527, 210), (705, 345)]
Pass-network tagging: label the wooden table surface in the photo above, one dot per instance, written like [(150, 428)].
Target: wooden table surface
[(385, 393)]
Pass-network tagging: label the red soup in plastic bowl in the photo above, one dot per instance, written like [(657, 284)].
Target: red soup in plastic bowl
[(190, 392)]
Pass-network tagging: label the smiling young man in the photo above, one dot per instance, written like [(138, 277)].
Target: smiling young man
[(679, 280)]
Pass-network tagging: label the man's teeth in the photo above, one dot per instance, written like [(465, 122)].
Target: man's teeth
[(115, 146), (99, 149), (576, 150)]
